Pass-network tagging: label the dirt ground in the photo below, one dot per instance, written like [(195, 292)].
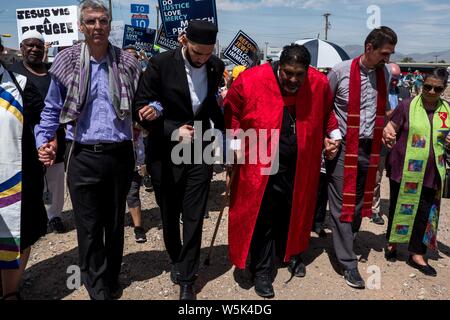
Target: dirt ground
[(145, 269)]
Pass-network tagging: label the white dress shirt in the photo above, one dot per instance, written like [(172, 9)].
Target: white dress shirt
[(198, 83)]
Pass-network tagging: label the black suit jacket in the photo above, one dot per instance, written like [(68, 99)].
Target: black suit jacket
[(165, 80)]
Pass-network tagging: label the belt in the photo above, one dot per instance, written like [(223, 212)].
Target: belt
[(364, 142), (103, 147)]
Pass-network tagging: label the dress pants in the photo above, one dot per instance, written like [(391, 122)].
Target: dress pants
[(184, 190), (322, 200), (99, 183), (344, 233), (272, 225), (376, 206), (54, 183)]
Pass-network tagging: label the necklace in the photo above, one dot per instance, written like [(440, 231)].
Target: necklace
[(293, 124)]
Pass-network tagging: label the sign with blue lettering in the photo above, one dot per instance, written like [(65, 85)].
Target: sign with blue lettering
[(141, 38), (176, 14), (164, 42), (140, 8), (242, 50)]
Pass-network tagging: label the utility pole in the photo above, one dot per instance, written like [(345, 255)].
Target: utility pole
[(110, 9), (327, 24), (157, 17), (436, 56), (266, 51)]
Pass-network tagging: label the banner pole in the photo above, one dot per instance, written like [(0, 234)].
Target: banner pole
[(110, 9)]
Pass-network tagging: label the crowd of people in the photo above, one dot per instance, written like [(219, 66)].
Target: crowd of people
[(96, 119)]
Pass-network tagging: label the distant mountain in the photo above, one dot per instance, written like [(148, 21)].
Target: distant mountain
[(356, 50)]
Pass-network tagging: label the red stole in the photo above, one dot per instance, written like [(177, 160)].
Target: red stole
[(289, 101), (352, 143)]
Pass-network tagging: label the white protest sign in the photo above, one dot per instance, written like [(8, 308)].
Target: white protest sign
[(116, 35), (58, 25)]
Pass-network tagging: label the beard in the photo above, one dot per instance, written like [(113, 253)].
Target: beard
[(380, 64), (290, 89), (189, 59)]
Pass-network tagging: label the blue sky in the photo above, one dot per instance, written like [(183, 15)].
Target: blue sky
[(422, 25)]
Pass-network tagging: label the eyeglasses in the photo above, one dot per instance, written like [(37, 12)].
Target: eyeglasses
[(428, 87), (91, 22)]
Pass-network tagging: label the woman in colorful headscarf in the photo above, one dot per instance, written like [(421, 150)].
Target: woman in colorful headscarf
[(418, 136), (23, 219)]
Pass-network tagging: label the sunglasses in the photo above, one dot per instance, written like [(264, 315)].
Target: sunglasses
[(428, 87)]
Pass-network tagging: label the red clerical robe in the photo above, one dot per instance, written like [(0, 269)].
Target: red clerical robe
[(254, 101)]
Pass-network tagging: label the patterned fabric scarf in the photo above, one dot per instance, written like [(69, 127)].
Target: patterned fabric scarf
[(421, 138), (71, 68), (11, 120), (352, 143)]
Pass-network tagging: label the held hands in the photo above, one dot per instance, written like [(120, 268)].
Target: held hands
[(47, 153), (390, 136), (331, 148), (148, 113), (447, 142), (186, 133)]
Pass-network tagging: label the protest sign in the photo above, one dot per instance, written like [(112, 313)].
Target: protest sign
[(164, 42), (176, 14), (242, 50), (141, 38), (58, 25), (116, 35)]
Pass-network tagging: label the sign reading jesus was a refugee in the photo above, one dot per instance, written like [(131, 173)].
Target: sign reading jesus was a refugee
[(242, 50), (176, 14), (58, 25)]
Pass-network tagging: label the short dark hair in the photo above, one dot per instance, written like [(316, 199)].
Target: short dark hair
[(295, 54), (380, 37), (438, 73), (130, 46)]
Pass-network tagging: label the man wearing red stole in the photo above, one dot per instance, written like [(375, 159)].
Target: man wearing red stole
[(273, 202), (360, 89)]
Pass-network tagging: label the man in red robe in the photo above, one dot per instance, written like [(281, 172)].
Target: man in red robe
[(288, 105)]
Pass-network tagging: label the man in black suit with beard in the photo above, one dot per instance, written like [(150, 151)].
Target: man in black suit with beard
[(177, 90)]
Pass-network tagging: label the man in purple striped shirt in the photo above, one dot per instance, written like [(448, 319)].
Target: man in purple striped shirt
[(91, 90)]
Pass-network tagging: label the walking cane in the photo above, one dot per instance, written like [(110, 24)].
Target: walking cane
[(225, 202)]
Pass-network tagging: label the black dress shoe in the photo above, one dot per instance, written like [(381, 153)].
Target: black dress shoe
[(426, 270), (297, 267), (174, 273), (353, 279), (263, 286), (187, 292), (390, 255)]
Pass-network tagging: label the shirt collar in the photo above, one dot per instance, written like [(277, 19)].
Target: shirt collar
[(98, 62), (186, 61), (364, 68)]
